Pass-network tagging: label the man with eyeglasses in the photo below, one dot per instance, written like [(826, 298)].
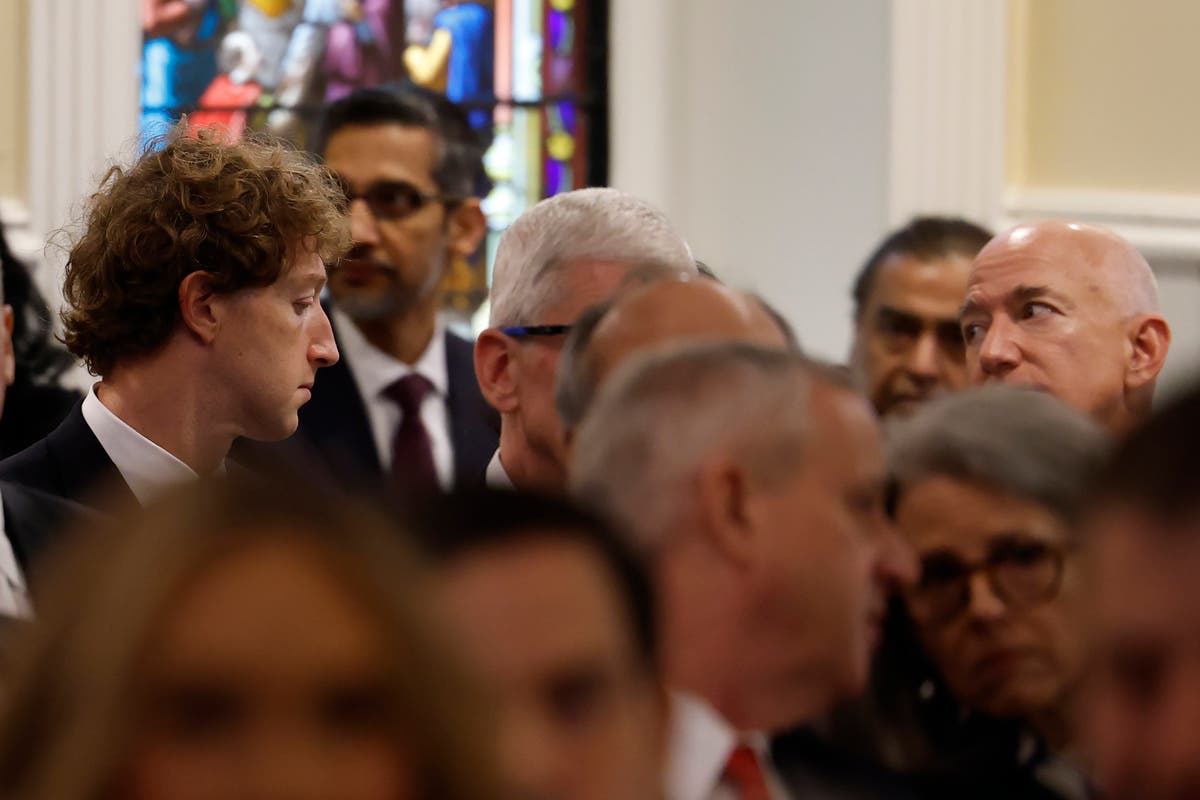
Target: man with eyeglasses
[(558, 258), (402, 405), (986, 486)]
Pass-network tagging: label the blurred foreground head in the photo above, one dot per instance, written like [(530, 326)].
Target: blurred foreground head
[(237, 641), (1144, 535), (558, 619)]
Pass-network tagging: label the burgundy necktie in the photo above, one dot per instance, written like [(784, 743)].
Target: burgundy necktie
[(744, 775), (413, 470)]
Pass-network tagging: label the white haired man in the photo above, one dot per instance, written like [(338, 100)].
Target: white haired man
[(752, 480), (559, 257)]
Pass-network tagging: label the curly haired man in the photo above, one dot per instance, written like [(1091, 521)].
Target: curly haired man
[(193, 293)]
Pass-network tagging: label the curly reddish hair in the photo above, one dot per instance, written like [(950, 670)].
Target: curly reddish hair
[(234, 210)]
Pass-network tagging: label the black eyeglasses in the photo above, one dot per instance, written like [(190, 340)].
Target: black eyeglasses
[(1021, 572), (536, 330), (393, 199)]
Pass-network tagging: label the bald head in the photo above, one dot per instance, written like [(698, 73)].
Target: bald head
[(671, 310), (650, 315), (1069, 308), (1112, 265)]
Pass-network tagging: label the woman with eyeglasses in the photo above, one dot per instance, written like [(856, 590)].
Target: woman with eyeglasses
[(976, 682)]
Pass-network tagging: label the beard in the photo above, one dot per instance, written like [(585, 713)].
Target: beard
[(394, 299)]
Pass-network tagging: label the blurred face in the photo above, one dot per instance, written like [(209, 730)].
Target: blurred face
[(1037, 315), (265, 679), (1143, 724), (830, 559), (536, 359), (398, 262), (997, 602), (908, 345), (271, 342), (581, 716)]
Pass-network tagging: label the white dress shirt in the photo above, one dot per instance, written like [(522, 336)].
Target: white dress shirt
[(147, 468), (700, 746), (14, 598), (374, 371), (496, 476)]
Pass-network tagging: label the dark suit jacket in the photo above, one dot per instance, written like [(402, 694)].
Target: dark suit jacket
[(34, 521), (335, 431), (69, 463)]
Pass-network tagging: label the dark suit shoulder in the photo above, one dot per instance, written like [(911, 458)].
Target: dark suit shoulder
[(69, 463), (34, 521), (474, 425)]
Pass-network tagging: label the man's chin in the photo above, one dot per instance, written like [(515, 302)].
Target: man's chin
[(900, 407)]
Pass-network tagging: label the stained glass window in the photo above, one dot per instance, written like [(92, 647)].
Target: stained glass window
[(530, 72)]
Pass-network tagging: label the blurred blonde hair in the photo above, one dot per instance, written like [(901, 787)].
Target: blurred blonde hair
[(68, 710)]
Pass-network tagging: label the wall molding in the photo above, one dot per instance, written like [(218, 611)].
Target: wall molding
[(1162, 226), (948, 107), (83, 109)]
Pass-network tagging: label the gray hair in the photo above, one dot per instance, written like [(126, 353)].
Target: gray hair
[(586, 224), (665, 410), (1022, 442)]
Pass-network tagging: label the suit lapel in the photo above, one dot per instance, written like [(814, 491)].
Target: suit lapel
[(335, 420), (474, 425), (81, 462)]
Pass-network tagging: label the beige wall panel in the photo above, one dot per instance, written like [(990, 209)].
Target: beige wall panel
[(14, 97), (1105, 94)]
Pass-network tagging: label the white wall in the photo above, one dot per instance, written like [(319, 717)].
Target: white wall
[(762, 129)]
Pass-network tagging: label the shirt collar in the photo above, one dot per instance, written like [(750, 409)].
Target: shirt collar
[(375, 370), (496, 476), (8, 558), (700, 746), (146, 467)]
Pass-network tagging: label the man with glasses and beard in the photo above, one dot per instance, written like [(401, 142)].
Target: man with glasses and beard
[(403, 404)]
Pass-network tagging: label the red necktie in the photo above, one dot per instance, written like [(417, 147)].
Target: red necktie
[(413, 470), (745, 776)]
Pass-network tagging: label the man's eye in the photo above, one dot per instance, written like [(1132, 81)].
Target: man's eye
[(1036, 310), (973, 333)]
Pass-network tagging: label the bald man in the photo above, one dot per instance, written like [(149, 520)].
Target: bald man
[(1071, 309), (643, 316)]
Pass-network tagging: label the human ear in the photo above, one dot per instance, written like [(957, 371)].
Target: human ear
[(1149, 340), (198, 306), (724, 493), (468, 226), (497, 371)]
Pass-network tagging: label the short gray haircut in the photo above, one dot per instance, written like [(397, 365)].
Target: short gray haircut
[(1019, 441), (586, 224), (661, 413)]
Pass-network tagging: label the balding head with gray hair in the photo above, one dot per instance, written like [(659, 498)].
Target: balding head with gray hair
[(664, 410), (751, 479), (586, 225), (1022, 442)]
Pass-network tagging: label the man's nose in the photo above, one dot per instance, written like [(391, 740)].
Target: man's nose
[(322, 351), (999, 354), (897, 561), (364, 228), (923, 359)]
